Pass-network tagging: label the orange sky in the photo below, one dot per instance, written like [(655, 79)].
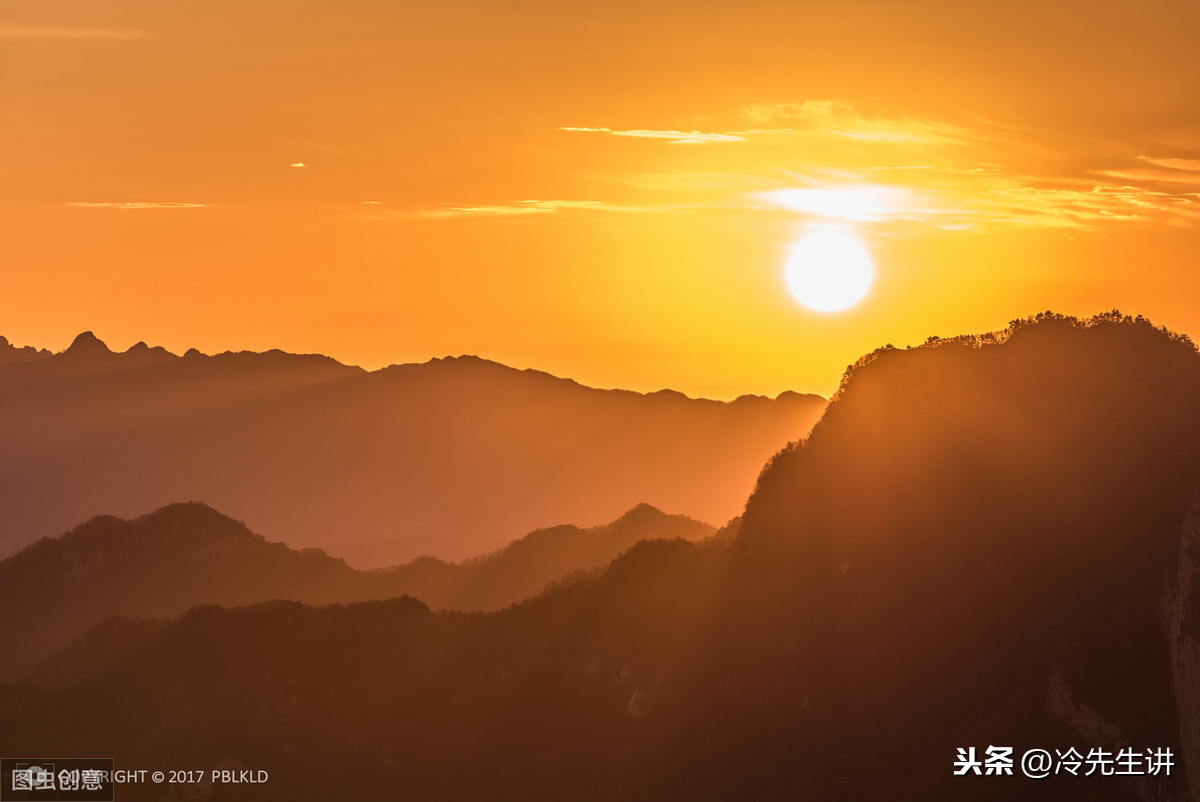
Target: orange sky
[(605, 192)]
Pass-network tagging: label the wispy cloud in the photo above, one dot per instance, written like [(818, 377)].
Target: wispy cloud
[(831, 161), (1039, 207), (835, 118), (1189, 165), (807, 109), (673, 137), (813, 125), (525, 208), (48, 32), (945, 173), (861, 203), (988, 202), (138, 205), (1153, 176), (682, 137), (1162, 171)]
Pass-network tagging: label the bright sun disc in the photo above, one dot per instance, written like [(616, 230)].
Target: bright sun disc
[(829, 271)]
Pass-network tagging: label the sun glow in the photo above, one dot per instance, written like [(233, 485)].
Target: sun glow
[(829, 271), (865, 202)]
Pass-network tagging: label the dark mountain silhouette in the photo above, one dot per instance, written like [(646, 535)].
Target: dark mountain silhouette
[(10, 353), (986, 541), (991, 542), (161, 564), (453, 457)]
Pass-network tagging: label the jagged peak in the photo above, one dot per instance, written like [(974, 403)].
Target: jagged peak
[(87, 344), (14, 353), (465, 361)]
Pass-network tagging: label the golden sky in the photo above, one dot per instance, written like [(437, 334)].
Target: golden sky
[(605, 191)]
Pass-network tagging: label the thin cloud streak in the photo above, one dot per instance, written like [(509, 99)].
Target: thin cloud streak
[(808, 109), (519, 208), (673, 137), (814, 120), (526, 208), (1034, 207), (1152, 176), (77, 34), (138, 205), (1189, 165), (682, 137), (835, 118)]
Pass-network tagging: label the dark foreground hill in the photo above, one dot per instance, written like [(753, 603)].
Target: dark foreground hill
[(452, 458), (986, 542), (161, 564)]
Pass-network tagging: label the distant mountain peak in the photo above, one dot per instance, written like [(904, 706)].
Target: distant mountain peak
[(143, 354), (87, 344), (642, 511), (184, 510), (197, 520)]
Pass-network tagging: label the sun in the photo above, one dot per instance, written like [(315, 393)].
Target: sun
[(829, 271)]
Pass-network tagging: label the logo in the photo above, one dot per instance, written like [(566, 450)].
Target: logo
[(56, 779)]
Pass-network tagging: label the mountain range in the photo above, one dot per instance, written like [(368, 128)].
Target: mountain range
[(450, 458), (183, 555), (987, 542)]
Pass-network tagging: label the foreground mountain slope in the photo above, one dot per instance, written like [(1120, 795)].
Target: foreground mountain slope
[(988, 540), (372, 466), (985, 542), (183, 555)]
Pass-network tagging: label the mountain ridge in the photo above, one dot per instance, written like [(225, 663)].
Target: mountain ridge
[(369, 465), (162, 563), (86, 344), (981, 544)]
